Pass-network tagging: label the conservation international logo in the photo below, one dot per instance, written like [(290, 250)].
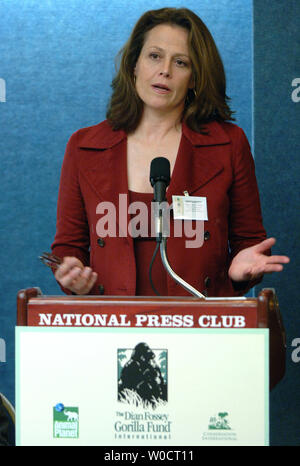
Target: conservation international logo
[(219, 422), (65, 421), (219, 428), (142, 387)]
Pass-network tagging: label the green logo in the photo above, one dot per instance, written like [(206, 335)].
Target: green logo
[(219, 422), (65, 421)]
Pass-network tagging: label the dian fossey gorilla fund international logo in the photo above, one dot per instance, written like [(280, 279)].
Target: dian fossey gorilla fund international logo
[(142, 376)]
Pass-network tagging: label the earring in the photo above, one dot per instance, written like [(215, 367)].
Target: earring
[(195, 93)]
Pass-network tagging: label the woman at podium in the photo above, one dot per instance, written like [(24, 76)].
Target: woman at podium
[(168, 99)]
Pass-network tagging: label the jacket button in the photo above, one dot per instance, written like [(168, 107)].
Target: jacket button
[(101, 242), (207, 282), (101, 289), (206, 235)]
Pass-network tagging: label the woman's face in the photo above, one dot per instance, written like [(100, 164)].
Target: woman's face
[(164, 70)]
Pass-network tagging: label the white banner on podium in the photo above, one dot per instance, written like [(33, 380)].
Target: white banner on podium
[(131, 386)]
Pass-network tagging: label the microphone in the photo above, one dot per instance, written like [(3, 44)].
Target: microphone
[(160, 177), (160, 180)]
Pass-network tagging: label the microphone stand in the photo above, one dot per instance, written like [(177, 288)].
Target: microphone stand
[(184, 284)]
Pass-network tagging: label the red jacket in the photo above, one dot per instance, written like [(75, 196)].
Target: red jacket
[(217, 165)]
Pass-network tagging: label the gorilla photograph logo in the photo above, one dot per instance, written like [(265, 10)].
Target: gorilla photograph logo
[(142, 376)]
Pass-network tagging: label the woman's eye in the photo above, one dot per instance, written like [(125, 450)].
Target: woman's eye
[(154, 56), (181, 63)]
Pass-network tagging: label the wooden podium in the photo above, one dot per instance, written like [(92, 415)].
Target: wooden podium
[(36, 309)]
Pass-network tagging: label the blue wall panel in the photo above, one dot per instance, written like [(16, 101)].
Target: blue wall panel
[(276, 136)]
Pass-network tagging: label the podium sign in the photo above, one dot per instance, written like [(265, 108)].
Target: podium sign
[(210, 386)]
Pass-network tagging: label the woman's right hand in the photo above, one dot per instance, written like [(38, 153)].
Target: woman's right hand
[(74, 276)]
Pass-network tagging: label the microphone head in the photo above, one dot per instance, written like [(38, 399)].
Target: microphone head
[(160, 171)]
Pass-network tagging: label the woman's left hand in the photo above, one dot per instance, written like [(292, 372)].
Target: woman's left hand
[(251, 263)]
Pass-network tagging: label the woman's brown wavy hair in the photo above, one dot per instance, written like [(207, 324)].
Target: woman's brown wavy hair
[(207, 101)]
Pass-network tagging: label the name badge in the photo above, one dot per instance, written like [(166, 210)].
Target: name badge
[(189, 208)]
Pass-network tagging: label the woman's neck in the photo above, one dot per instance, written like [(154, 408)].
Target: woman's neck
[(154, 126)]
